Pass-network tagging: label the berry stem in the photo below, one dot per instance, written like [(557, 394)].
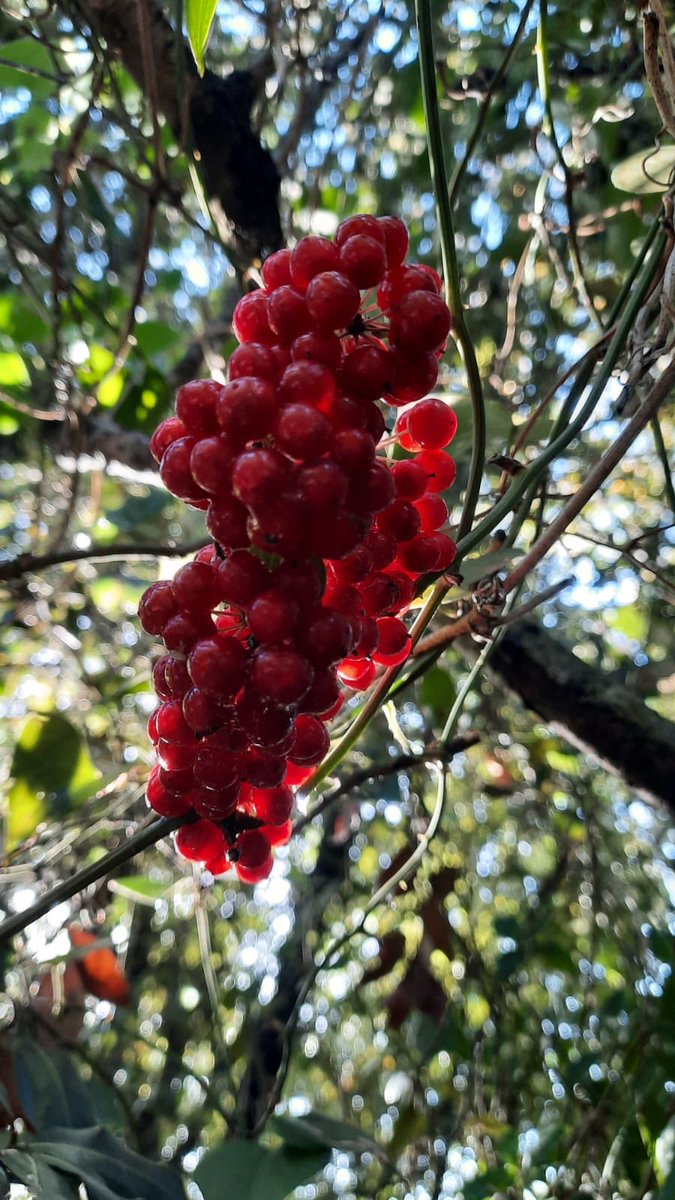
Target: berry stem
[(68, 888), (450, 262)]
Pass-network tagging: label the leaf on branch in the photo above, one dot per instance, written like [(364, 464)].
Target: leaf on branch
[(107, 1168), (199, 18), (52, 772), (647, 171), (250, 1171)]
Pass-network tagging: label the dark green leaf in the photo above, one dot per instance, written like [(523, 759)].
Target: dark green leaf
[(23, 64), (306, 1133), (248, 1171), (108, 1169), (52, 771)]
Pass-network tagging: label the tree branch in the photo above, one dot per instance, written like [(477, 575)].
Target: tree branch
[(588, 708)]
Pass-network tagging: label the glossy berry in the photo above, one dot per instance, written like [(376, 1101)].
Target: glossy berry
[(252, 856), (199, 841)]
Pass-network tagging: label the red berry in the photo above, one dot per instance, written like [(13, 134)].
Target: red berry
[(276, 270), (332, 300), (171, 724), (217, 665), (250, 320), (246, 409), (321, 348), (440, 468), (301, 581), (398, 282), (394, 642), (327, 636), (196, 406), (323, 486), (382, 546), (241, 577), (306, 382), (311, 256), (226, 522), (363, 260), (158, 605), (252, 856), (203, 712), (260, 769), (258, 475), (419, 321), (412, 376), (432, 424), (357, 673), (410, 479), (323, 696), (280, 674), (272, 617), (396, 239), (215, 766), (303, 432), (183, 630), (177, 677), (175, 470), (353, 450), (211, 464), (199, 841), (267, 725), (169, 431), (365, 372), (287, 314), (311, 741), (433, 512), (253, 359), (273, 805), (399, 519), (359, 224), (164, 802), (196, 587), (379, 594)]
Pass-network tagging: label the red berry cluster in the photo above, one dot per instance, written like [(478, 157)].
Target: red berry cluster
[(318, 542)]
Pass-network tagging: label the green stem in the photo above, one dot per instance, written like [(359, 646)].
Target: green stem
[(663, 455), (449, 255)]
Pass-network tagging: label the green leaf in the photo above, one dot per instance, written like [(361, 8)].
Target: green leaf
[(20, 320), (50, 1089), (138, 888), (199, 17), (38, 1177), (155, 336), (647, 171), (52, 772), (107, 1168), (18, 61), (306, 1133), (13, 371), (249, 1171), (437, 691)]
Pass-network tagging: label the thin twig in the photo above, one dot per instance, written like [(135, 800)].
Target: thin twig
[(31, 563)]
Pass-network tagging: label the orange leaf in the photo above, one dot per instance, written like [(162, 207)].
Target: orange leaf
[(100, 971)]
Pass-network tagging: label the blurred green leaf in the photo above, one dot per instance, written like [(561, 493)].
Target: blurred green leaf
[(13, 371), (19, 62), (52, 770), (104, 1164), (139, 888), (199, 16), (648, 170), (248, 1171)]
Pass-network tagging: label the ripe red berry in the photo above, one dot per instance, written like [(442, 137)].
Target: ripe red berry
[(398, 282), (287, 313), (303, 432), (333, 301), (217, 665), (200, 840), (169, 431), (410, 479), (394, 642), (196, 406), (226, 522), (272, 617), (175, 470), (241, 577), (164, 802), (357, 673), (322, 348), (396, 239), (311, 256), (306, 382), (412, 375), (363, 260), (250, 320), (365, 372), (280, 674), (311, 741), (196, 587), (252, 856), (276, 270), (158, 604), (253, 358), (361, 223), (440, 468), (211, 464), (273, 805), (246, 409), (419, 321), (432, 424), (258, 475)]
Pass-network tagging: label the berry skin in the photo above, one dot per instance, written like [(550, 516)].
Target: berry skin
[(365, 372), (215, 766), (164, 802), (288, 314), (323, 486), (211, 465), (273, 805), (226, 522), (196, 406), (359, 224), (303, 432), (158, 605), (431, 425), (363, 260), (169, 431), (433, 512), (253, 359), (199, 841), (241, 577), (327, 636), (218, 665), (306, 382), (281, 675), (252, 856), (183, 630), (394, 642), (420, 321), (396, 240), (399, 519), (203, 712), (311, 256), (410, 479), (250, 320), (272, 617), (262, 770), (321, 348), (333, 301), (357, 673), (412, 375), (310, 743), (196, 588), (276, 270), (246, 409), (175, 470), (399, 282), (440, 468)]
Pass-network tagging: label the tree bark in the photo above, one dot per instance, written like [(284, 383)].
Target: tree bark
[(209, 115), (588, 708)]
